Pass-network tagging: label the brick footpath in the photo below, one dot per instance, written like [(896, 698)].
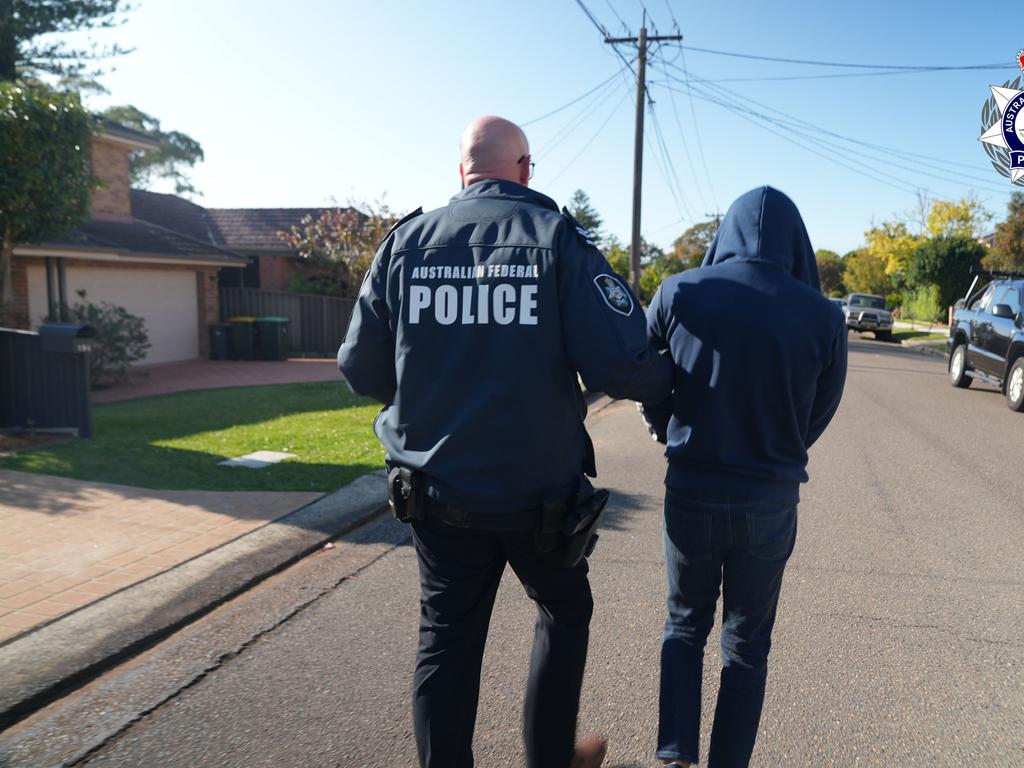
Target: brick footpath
[(66, 543)]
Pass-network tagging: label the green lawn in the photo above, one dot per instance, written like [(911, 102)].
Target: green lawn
[(175, 441), (905, 335)]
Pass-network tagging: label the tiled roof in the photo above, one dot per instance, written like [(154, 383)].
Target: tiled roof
[(144, 239), (110, 128), (257, 227), (238, 228), (175, 213)]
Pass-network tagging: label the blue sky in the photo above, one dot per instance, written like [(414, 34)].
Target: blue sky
[(296, 103)]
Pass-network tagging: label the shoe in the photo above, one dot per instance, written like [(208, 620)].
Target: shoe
[(682, 763), (590, 752)]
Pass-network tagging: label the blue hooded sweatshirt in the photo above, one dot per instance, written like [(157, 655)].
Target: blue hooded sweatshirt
[(760, 357)]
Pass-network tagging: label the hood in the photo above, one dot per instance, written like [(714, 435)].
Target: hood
[(764, 225)]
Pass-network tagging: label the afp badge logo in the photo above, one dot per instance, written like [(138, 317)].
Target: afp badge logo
[(614, 294), (1002, 126)]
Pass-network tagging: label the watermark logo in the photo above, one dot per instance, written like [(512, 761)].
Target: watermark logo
[(1002, 127)]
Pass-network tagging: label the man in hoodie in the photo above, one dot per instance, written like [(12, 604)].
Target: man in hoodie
[(760, 360)]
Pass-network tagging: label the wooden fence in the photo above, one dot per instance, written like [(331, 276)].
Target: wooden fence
[(318, 323)]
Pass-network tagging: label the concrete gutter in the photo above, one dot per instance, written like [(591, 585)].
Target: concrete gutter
[(58, 657), (930, 347)]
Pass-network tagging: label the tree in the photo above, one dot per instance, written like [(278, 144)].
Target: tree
[(865, 273), (177, 153), (892, 243), (45, 174), (338, 246), (945, 262), (965, 217), (689, 248), (27, 45), (617, 255), (830, 269), (584, 212), (1008, 251)]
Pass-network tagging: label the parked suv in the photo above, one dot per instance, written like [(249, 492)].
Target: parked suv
[(986, 339), (867, 312)]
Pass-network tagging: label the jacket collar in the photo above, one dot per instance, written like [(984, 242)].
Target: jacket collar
[(505, 190)]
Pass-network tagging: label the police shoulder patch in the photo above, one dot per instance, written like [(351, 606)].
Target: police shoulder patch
[(615, 294)]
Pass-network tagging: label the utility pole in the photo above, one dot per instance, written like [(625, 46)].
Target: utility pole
[(638, 140)]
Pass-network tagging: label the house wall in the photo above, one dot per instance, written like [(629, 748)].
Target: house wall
[(110, 165), (176, 302), (16, 314), (275, 272)]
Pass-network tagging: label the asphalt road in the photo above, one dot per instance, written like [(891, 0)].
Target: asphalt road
[(900, 638)]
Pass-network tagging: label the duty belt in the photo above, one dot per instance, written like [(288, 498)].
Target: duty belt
[(487, 521)]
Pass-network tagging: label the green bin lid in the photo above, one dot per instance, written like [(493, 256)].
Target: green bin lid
[(242, 319), (272, 319)]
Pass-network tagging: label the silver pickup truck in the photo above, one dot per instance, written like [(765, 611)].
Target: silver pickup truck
[(867, 312)]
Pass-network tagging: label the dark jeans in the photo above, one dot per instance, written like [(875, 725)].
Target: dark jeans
[(743, 546), (460, 570)]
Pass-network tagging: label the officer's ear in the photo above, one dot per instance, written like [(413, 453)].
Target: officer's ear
[(524, 170), (462, 175)]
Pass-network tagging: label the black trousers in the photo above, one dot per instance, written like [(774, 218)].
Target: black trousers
[(460, 570)]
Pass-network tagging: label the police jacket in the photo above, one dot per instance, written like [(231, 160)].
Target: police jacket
[(471, 326)]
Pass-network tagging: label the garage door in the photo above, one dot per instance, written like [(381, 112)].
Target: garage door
[(165, 299)]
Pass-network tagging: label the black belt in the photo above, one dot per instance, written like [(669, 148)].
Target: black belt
[(489, 521)]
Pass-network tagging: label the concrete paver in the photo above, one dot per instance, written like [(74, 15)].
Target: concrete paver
[(68, 543)]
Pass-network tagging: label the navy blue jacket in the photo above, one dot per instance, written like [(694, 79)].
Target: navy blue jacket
[(471, 326), (760, 357)]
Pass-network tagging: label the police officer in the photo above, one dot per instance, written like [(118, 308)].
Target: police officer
[(470, 327)]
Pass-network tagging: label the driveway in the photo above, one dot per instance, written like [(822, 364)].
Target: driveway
[(68, 543)]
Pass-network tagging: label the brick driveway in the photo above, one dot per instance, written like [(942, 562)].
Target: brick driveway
[(67, 543), (165, 378)]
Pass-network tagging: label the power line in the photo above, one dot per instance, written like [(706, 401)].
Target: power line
[(589, 141), (882, 73), (857, 156), (574, 101), (696, 131), (682, 205), (621, 21), (920, 159), (578, 119), (594, 21), (844, 64), (686, 146)]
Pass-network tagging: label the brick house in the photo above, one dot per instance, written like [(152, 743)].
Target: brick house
[(166, 277), (160, 256), (252, 232)]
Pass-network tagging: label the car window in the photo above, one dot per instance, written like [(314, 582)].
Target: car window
[(1006, 294), (1013, 298), (986, 298)]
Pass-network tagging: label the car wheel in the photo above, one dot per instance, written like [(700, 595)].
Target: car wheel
[(883, 335), (958, 368), (1015, 386)]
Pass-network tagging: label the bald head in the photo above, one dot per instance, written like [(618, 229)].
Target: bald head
[(491, 148)]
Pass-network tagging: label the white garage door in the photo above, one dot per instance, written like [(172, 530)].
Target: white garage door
[(165, 299)]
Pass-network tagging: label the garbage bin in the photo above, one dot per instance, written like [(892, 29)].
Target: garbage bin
[(220, 341), (63, 369), (273, 336), (243, 342)]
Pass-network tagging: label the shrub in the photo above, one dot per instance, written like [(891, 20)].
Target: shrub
[(121, 338), (925, 304)]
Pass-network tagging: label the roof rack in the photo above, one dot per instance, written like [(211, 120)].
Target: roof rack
[(997, 273)]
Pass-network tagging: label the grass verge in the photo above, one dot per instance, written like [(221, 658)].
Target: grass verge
[(175, 441)]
